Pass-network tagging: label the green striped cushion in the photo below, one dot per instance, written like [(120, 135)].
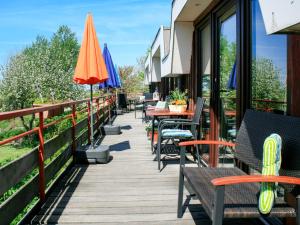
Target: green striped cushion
[(271, 166), (177, 133)]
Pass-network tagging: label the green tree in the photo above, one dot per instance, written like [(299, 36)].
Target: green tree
[(132, 77), (17, 87), (64, 50), (42, 72), (227, 60), (266, 82)]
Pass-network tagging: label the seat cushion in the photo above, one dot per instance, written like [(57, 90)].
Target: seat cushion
[(241, 200), (177, 133)]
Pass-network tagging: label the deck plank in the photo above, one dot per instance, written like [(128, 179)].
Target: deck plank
[(128, 190)]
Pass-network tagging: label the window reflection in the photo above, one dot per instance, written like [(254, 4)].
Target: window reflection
[(227, 107), (269, 66)]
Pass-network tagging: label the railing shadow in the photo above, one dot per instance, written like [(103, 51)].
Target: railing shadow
[(60, 196)]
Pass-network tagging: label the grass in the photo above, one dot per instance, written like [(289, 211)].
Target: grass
[(9, 153)]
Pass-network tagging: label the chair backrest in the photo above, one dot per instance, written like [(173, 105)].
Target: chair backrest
[(141, 98), (122, 100), (198, 110), (161, 105), (148, 96), (256, 126)]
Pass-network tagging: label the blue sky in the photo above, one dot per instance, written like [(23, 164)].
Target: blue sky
[(128, 26)]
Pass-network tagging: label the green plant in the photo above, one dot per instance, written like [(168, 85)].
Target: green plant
[(178, 97), (148, 127)]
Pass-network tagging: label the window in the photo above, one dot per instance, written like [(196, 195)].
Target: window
[(269, 66)]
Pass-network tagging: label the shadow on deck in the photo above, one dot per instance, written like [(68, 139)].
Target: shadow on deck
[(128, 190)]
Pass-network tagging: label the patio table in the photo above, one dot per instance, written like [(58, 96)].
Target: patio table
[(164, 113)]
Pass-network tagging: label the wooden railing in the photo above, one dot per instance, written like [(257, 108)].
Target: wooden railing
[(65, 142)]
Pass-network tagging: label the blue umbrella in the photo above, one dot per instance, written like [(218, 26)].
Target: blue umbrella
[(118, 76), (112, 74), (232, 78)]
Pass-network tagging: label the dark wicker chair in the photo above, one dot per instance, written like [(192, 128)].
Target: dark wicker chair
[(148, 96), (138, 105), (122, 101), (175, 124), (231, 193)]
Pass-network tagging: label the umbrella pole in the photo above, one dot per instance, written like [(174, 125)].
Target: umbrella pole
[(117, 100), (92, 122)]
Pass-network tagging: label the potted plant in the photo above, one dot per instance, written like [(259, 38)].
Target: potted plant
[(178, 101), (148, 128)]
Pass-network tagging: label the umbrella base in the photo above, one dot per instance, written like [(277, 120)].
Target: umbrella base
[(119, 111), (112, 129), (96, 154)]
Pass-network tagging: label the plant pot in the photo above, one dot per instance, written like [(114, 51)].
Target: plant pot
[(155, 136), (177, 108)]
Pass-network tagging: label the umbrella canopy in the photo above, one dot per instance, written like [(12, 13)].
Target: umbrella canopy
[(118, 76), (112, 74), (90, 68), (232, 78)]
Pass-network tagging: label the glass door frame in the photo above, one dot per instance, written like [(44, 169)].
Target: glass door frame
[(199, 73)]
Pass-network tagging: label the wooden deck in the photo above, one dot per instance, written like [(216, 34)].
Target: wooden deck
[(128, 190)]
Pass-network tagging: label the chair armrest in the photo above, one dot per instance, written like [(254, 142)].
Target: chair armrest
[(175, 119), (231, 180), (206, 142)]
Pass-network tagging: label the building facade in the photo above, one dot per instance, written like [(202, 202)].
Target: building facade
[(220, 51)]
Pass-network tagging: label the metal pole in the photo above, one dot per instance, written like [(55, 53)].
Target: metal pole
[(92, 122)]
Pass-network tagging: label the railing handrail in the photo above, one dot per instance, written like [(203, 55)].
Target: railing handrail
[(28, 162), (28, 111)]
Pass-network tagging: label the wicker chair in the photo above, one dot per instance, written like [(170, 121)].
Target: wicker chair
[(230, 192), (174, 134)]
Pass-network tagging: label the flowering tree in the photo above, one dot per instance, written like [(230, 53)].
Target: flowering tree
[(42, 72), (133, 77)]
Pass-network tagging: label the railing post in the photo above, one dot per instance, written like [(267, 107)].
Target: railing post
[(98, 110), (41, 158), (89, 122), (73, 129)]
